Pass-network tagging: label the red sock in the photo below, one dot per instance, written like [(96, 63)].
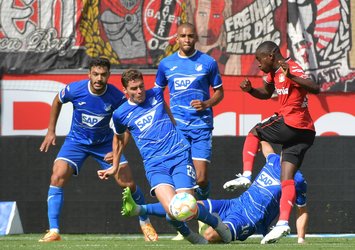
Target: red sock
[(288, 197), (250, 149)]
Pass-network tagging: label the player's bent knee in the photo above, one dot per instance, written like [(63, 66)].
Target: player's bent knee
[(61, 173)]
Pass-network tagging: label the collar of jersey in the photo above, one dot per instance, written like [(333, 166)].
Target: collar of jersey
[(187, 56), (131, 103)]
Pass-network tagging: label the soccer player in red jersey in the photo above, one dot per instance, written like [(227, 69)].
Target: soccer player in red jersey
[(291, 126)]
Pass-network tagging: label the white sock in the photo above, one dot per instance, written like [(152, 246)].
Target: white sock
[(282, 223)]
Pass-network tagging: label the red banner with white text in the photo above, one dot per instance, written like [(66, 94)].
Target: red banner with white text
[(26, 103)]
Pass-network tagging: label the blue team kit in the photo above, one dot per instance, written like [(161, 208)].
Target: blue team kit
[(90, 133)]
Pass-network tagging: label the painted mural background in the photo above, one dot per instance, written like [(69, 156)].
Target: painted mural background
[(42, 35)]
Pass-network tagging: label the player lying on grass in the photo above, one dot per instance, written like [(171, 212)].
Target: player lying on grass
[(251, 213)]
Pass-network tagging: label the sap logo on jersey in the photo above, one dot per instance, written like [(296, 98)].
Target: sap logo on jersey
[(183, 82), (266, 180), (145, 121), (90, 120)]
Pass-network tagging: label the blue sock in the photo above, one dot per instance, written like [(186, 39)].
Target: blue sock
[(138, 197), (156, 209), (55, 202), (202, 193), (206, 217), (180, 226)]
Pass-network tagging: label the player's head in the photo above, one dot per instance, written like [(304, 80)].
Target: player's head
[(100, 62), (268, 54), (99, 72), (186, 38), (133, 85)]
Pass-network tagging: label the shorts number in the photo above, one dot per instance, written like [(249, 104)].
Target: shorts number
[(191, 171)]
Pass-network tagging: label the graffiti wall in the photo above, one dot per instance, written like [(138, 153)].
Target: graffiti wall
[(42, 35)]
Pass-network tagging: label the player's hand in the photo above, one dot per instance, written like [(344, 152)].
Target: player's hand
[(246, 85), (284, 67), (109, 157), (198, 105), (48, 140), (104, 174)]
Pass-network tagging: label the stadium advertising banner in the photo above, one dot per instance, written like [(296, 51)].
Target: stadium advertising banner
[(42, 35), (26, 101)]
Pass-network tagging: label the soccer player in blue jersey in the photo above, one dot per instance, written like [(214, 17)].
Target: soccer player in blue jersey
[(189, 75), (252, 212), (165, 151), (94, 101)]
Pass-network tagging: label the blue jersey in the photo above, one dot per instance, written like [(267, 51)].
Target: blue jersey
[(254, 211), (91, 113), (189, 78), (149, 124)]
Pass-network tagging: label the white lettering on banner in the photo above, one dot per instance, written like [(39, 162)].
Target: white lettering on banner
[(41, 34), (232, 122), (163, 16), (220, 124), (249, 27), (337, 122), (31, 91)]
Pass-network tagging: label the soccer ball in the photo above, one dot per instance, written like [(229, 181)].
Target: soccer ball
[(183, 206)]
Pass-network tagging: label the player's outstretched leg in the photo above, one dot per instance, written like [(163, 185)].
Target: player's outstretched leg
[(240, 181), (276, 233), (187, 234), (129, 206), (223, 230), (196, 238)]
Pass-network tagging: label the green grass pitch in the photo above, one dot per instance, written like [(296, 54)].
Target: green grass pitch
[(136, 242)]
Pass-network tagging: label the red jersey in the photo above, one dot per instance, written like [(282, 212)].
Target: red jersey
[(292, 97)]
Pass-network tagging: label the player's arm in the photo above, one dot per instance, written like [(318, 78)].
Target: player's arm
[(109, 156), (264, 92), (168, 110), (50, 137), (118, 145), (301, 222), (306, 83), (216, 98)]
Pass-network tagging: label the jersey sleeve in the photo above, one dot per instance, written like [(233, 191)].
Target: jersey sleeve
[(215, 76), (160, 79), (115, 123), (65, 95), (158, 92), (296, 70)]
